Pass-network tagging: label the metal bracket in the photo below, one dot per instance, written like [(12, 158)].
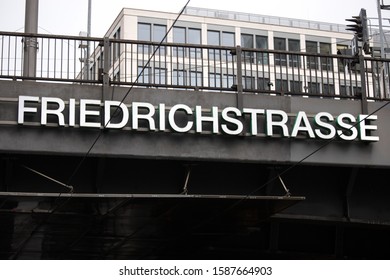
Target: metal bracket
[(288, 194), (49, 178), (185, 188)]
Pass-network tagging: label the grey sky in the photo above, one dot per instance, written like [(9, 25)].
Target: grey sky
[(69, 17)]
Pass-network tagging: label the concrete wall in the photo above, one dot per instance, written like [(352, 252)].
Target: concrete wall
[(34, 138)]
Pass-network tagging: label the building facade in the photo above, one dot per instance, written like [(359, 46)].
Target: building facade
[(263, 39)]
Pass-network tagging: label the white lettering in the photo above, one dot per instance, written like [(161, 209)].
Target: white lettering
[(253, 117), (136, 116), (227, 118), (200, 118), (322, 124), (107, 114), (72, 112), (57, 112), (302, 119), (171, 118), (348, 127), (23, 109), (281, 123), (84, 112), (365, 128)]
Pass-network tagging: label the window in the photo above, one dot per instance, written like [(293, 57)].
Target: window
[(262, 43), (159, 32), (312, 62), (294, 46), (179, 77), (281, 85), (194, 37), (314, 88), (179, 36), (248, 82), (328, 89), (196, 78), (116, 46), (213, 38), (160, 75), (296, 86), (263, 84), (228, 80), (215, 80), (280, 45), (247, 42), (145, 76), (326, 62), (342, 63), (144, 34), (151, 33)]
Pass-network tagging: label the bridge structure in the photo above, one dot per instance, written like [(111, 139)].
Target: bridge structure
[(242, 154)]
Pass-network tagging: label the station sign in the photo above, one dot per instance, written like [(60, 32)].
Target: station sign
[(181, 118)]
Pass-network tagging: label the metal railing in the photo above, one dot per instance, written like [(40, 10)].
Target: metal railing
[(197, 67)]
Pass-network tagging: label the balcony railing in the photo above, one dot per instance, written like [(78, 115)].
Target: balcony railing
[(193, 67)]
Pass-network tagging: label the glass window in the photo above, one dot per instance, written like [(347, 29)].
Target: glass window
[(179, 36), (144, 32), (328, 89), (116, 46), (228, 39), (160, 75), (215, 80), (213, 38), (294, 46), (159, 32), (262, 43), (312, 61), (311, 47), (280, 45), (247, 41), (144, 77), (248, 82), (179, 77), (281, 85), (195, 78), (194, 36), (263, 84), (295, 86), (326, 62), (314, 88), (228, 80)]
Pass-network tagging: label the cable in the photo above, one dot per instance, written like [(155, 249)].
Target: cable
[(127, 93)]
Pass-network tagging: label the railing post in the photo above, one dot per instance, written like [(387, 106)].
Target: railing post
[(31, 43), (106, 65), (363, 83), (238, 53)]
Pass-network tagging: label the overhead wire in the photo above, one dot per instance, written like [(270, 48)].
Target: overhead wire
[(126, 94)]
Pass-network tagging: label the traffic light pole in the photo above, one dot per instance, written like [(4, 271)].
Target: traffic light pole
[(363, 83)]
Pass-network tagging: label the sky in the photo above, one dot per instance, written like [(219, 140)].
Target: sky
[(69, 17)]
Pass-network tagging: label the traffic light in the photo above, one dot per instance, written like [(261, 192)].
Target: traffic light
[(361, 29)]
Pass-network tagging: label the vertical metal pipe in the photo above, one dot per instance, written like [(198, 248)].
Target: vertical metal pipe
[(88, 35), (30, 43)]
